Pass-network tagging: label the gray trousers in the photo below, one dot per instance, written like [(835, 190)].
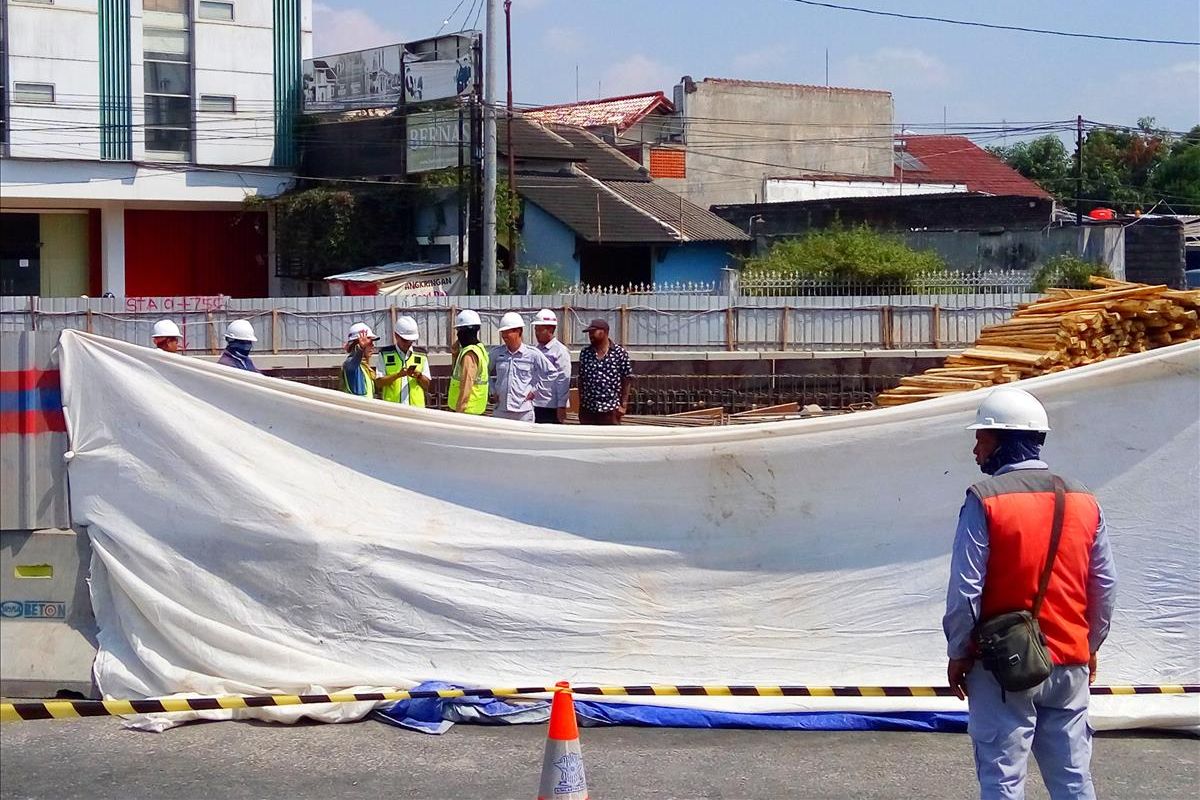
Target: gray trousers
[(521, 416), (1051, 719)]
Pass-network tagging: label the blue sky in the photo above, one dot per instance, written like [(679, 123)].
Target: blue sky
[(974, 75)]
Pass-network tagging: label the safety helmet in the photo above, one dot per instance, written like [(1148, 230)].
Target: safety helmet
[(466, 318), (545, 317), (241, 330), (360, 327), (406, 328), (166, 329), (1010, 409), (511, 321)]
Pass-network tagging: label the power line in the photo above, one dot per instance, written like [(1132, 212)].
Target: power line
[(974, 24)]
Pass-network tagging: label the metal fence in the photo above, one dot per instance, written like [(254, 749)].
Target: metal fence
[(791, 284), (649, 322)]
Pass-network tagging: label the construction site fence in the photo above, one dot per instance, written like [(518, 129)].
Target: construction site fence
[(657, 394), (643, 322)]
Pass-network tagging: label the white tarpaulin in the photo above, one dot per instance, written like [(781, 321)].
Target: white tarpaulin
[(253, 535)]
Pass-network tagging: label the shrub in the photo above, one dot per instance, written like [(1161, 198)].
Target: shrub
[(857, 255), (1068, 272)]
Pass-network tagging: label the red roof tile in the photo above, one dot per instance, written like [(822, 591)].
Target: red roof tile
[(615, 112), (777, 85), (956, 159)]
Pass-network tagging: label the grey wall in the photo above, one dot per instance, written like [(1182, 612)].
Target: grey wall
[(797, 130), (1023, 249)]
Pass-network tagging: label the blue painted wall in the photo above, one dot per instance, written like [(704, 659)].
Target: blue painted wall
[(694, 261), (546, 242)]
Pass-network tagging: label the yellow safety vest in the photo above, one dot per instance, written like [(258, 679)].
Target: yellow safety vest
[(477, 402), (368, 377), (394, 361)]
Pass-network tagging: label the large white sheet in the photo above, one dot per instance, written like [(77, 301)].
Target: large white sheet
[(253, 535)]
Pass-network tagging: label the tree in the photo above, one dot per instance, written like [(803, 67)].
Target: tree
[(1129, 169)]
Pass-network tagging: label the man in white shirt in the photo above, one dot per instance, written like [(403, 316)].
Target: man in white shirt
[(520, 372), (550, 405)]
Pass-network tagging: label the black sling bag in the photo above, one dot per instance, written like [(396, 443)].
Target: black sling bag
[(1011, 645)]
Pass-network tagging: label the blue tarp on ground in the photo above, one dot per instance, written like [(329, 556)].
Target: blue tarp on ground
[(438, 716)]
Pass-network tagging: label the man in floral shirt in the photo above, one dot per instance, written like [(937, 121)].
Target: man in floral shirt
[(604, 376)]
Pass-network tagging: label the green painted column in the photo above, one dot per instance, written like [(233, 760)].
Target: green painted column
[(116, 106), (287, 81)]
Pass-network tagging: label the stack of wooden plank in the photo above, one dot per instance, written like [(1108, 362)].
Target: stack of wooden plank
[(1067, 328)]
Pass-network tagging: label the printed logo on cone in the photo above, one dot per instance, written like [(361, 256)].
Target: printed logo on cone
[(563, 777)]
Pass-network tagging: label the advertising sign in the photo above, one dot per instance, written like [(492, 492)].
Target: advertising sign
[(433, 141)]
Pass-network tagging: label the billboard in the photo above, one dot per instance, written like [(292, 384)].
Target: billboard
[(362, 79), (434, 141), (383, 77)]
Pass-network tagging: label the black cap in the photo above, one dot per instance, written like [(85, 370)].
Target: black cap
[(596, 325)]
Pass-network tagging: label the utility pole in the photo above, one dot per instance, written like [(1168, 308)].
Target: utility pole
[(1079, 169), (513, 247), (488, 262)]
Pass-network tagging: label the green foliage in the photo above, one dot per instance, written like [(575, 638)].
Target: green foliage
[(325, 230), (1067, 272), (545, 280), (1127, 169), (855, 255)]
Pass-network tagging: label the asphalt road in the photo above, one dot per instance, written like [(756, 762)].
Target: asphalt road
[(97, 759)]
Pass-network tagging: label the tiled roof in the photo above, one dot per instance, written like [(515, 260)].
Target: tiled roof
[(624, 212), (609, 112), (956, 159), (776, 85), (533, 141)]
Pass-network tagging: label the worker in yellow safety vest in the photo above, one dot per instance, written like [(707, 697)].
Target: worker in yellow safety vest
[(358, 376), (410, 368), (470, 367)]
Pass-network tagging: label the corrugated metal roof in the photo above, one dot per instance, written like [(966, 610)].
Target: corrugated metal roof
[(600, 160), (694, 223), (593, 211), (531, 140), (615, 112)]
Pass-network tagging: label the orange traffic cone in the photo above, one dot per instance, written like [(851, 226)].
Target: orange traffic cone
[(562, 766)]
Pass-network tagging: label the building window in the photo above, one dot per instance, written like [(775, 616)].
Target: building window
[(41, 93), (218, 103), (37, 2), (167, 82), (211, 9)]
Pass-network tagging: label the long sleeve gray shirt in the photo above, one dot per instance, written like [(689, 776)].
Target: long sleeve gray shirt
[(556, 393)]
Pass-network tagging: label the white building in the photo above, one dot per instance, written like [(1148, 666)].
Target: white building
[(131, 134)]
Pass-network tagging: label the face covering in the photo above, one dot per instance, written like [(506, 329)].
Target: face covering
[(240, 351), (468, 336), (1014, 447)]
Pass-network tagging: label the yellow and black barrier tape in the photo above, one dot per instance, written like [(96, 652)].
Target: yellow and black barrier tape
[(74, 709)]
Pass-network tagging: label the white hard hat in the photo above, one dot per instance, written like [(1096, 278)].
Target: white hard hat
[(511, 321), (406, 328), (545, 317), (466, 318), (165, 329), (1010, 409), (241, 330), (360, 327)]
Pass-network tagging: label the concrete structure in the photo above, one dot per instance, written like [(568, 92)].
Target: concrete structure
[(736, 133), (133, 132)]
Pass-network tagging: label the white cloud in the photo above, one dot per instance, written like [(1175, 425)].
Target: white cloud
[(765, 58), (1170, 94), (892, 67), (342, 30), (636, 74), (564, 40)]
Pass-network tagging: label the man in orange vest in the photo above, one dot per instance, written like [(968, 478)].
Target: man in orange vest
[(1000, 550)]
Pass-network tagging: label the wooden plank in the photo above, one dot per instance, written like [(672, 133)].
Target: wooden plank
[(1104, 298), (782, 408), (701, 412), (935, 326), (730, 329)]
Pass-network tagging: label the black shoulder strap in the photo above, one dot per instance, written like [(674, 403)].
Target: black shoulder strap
[(1060, 507)]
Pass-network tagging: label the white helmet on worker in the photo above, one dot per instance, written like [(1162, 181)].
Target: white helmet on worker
[(240, 330), (360, 327), (406, 328), (511, 321), (1010, 409), (166, 329), (467, 318), (545, 317)]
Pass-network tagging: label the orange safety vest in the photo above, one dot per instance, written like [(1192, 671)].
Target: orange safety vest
[(1020, 513)]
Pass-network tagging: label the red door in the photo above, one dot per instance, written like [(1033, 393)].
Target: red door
[(170, 253)]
